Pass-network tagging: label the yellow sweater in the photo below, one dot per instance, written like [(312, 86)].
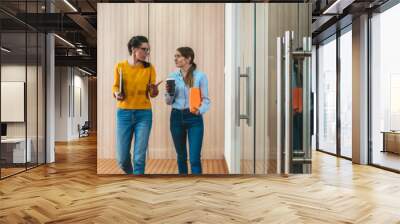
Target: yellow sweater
[(135, 79)]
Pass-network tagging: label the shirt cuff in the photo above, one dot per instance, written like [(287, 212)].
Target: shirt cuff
[(201, 110)]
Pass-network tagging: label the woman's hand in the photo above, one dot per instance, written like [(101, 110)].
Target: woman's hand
[(196, 111), (119, 96), (153, 89)]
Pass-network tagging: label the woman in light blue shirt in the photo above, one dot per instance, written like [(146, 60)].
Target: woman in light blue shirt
[(183, 123)]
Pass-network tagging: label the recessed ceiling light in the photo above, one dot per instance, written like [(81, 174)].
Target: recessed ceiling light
[(84, 71), (64, 40), (70, 5), (337, 7), (5, 50)]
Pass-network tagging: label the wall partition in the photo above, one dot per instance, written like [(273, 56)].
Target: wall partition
[(22, 88)]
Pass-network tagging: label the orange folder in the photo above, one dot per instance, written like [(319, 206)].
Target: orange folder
[(298, 99), (194, 99)]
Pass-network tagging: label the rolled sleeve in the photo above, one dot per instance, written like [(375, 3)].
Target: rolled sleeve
[(205, 99)]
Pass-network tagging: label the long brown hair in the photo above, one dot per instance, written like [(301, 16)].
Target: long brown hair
[(188, 52)]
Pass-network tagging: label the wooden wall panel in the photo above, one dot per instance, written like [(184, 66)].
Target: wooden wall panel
[(116, 24), (200, 26)]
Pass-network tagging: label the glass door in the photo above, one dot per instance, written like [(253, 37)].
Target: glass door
[(251, 32), (294, 105), (245, 88)]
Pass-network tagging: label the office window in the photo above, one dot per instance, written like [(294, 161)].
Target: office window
[(346, 94), (385, 89), (15, 150), (327, 97), (22, 92)]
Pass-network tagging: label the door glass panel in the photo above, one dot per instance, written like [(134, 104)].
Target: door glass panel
[(246, 61), (14, 152), (327, 97), (256, 65), (346, 94)]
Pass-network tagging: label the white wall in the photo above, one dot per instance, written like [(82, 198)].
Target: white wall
[(81, 83), (67, 114), (61, 103)]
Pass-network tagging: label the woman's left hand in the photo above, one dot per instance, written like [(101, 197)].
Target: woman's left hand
[(196, 111)]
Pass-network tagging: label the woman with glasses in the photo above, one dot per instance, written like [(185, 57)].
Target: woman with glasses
[(186, 123), (134, 84)]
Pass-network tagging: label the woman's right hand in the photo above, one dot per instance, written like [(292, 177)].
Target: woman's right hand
[(119, 96)]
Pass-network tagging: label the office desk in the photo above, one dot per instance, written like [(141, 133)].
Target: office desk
[(391, 141), (13, 150)]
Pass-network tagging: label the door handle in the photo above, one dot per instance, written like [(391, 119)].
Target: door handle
[(246, 115)]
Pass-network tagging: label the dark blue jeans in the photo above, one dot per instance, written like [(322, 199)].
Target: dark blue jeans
[(185, 125), (132, 123)]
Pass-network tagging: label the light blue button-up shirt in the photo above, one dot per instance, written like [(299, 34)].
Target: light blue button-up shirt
[(180, 100)]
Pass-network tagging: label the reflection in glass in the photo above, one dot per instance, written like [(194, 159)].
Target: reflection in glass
[(346, 94), (14, 146), (385, 89), (327, 97), (31, 97), (22, 88)]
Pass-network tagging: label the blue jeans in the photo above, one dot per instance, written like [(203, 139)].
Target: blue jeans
[(187, 125), (129, 123)]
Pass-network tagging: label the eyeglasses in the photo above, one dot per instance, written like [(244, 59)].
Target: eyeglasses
[(146, 50)]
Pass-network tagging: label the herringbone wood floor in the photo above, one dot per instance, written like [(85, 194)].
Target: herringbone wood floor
[(70, 191)]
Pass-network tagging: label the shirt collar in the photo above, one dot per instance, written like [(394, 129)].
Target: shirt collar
[(181, 74)]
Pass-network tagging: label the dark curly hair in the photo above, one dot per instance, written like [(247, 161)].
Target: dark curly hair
[(135, 42)]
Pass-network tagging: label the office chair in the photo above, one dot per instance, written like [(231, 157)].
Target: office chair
[(84, 130)]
